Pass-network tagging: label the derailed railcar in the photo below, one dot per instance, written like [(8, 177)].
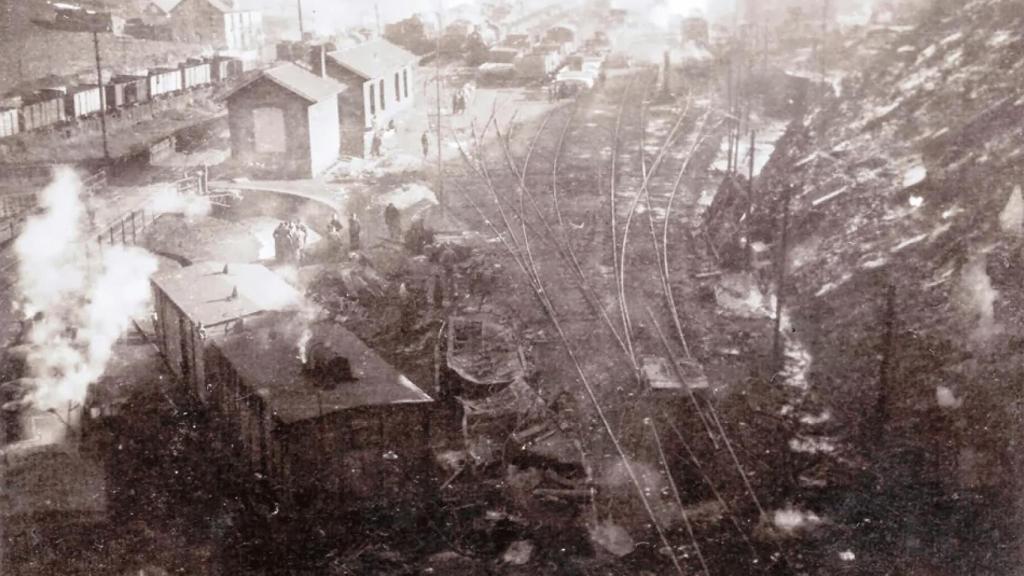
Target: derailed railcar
[(41, 110), (194, 74), (164, 82)]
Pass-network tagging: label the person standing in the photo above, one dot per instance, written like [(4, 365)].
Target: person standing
[(354, 229), (392, 220), (425, 143), (375, 145)]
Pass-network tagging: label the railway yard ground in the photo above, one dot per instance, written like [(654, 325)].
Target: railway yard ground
[(717, 316)]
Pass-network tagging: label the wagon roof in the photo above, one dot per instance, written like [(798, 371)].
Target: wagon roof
[(265, 355), (203, 292)]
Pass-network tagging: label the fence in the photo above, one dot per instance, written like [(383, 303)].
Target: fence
[(15, 208)]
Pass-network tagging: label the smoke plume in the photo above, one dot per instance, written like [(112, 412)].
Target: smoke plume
[(169, 200), (80, 306), (977, 297), (1011, 219)]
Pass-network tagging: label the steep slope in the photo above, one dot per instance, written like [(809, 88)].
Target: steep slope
[(904, 284)]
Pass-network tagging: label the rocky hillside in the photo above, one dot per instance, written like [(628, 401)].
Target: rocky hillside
[(905, 279)]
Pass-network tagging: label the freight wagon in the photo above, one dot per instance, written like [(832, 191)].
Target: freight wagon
[(82, 100), (164, 81), (195, 74), (222, 69), (9, 122), (309, 408), (41, 110), (134, 89)]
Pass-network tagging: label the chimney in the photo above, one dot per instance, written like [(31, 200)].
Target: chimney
[(226, 270)]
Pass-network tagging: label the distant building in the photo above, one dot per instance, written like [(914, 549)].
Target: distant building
[(218, 23), (158, 11), (695, 30), (379, 80), (286, 120)]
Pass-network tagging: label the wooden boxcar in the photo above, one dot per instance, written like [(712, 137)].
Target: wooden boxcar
[(136, 88), (9, 125), (222, 68), (164, 82), (82, 100), (194, 74), (41, 110), (115, 95), (331, 422)]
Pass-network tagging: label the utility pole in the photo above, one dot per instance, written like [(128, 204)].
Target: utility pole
[(780, 281), (103, 103), (302, 30), (824, 35), (888, 341), (437, 61), (376, 11)]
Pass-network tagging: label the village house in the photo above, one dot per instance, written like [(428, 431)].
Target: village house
[(219, 23), (285, 122), (379, 83)]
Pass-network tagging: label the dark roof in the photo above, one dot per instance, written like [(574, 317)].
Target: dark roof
[(298, 81), (265, 354), (373, 59), (203, 292)]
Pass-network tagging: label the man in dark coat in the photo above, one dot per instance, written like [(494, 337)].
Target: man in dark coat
[(393, 220)]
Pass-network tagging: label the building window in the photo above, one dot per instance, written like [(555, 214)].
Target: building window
[(373, 101), (268, 130), (398, 89), (405, 82), (383, 104)]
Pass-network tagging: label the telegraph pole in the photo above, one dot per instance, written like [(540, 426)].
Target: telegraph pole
[(302, 31), (99, 84), (778, 347), (437, 61)]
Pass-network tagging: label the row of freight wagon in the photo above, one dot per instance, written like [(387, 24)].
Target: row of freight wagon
[(52, 106)]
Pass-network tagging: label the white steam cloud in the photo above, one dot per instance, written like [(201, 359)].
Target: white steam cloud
[(1011, 219), (170, 201), (977, 297), (80, 306)]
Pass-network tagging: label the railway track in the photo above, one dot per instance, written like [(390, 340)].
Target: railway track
[(553, 197)]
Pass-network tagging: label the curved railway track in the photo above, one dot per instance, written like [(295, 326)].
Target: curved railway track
[(652, 182)]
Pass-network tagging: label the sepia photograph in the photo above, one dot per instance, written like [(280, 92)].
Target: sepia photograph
[(511, 287)]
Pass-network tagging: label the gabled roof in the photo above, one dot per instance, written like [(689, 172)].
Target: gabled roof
[(219, 5), (265, 355), (164, 6), (206, 294), (373, 59), (298, 81)]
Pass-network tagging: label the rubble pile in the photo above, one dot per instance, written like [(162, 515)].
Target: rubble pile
[(904, 268)]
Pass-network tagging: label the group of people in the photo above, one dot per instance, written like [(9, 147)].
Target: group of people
[(290, 241)]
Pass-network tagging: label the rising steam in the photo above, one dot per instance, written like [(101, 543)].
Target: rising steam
[(977, 297), (80, 305), (169, 201)]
